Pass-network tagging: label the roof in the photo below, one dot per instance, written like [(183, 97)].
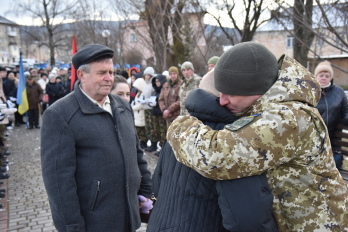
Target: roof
[(331, 56), (6, 21), (331, 12)]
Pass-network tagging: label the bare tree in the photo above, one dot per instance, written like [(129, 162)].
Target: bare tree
[(51, 14), (318, 25), (253, 13)]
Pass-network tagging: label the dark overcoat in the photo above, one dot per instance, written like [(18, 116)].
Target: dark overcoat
[(92, 165)]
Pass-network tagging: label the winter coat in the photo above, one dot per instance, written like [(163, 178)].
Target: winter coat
[(67, 87), (280, 133), (9, 88), (134, 91), (169, 98), (188, 84), (43, 84), (148, 89), (156, 109), (54, 91), (34, 94), (139, 113), (92, 165), (333, 107), (187, 201)]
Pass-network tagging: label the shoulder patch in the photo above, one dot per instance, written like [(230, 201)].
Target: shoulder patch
[(241, 122)]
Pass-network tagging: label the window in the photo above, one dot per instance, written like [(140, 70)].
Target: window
[(290, 41), (338, 41), (15, 48), (320, 42), (133, 38)]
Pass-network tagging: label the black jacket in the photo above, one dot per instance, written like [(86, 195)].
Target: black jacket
[(134, 91), (9, 88), (92, 165), (187, 201), (333, 107), (156, 110), (54, 91)]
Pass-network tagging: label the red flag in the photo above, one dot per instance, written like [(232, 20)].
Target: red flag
[(73, 72)]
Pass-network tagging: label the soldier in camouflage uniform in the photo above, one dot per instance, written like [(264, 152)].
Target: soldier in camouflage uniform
[(190, 81), (280, 133)]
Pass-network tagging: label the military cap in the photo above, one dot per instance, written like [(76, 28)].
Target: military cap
[(89, 53)]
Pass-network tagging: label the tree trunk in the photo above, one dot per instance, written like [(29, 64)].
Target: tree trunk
[(302, 16), (51, 44)]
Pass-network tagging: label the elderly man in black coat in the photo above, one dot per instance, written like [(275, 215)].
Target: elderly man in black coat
[(92, 165)]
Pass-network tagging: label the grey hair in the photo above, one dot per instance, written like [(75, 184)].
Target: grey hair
[(87, 67)]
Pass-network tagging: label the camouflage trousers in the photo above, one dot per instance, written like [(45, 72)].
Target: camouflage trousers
[(2, 132), (149, 125), (141, 132), (160, 128)]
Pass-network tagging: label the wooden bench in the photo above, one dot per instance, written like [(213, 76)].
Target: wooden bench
[(340, 143)]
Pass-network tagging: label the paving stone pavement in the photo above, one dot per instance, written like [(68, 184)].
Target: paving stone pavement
[(28, 204)]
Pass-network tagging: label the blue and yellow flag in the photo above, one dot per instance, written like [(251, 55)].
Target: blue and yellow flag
[(22, 98)]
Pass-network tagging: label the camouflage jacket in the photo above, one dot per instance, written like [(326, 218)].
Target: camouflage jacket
[(185, 89), (288, 140)]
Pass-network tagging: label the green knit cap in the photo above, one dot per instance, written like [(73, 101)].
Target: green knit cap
[(213, 60), (246, 69), (173, 69)]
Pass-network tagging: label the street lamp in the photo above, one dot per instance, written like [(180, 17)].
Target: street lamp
[(106, 34)]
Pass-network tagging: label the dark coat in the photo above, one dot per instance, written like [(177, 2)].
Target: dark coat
[(67, 87), (156, 109), (187, 201), (333, 107), (54, 91), (9, 88), (134, 91), (92, 165), (34, 94)]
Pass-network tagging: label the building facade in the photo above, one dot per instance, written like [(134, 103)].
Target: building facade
[(9, 41)]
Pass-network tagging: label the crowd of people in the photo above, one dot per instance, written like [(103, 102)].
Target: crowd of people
[(246, 147)]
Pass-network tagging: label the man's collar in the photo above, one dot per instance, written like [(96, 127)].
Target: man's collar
[(106, 101)]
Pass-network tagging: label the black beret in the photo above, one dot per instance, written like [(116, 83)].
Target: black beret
[(89, 53), (2, 68)]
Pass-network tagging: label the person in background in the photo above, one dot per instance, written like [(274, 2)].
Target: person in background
[(120, 88), (139, 113), (48, 69), (169, 100), (159, 123), (212, 62), (9, 86), (43, 82), (124, 73), (34, 74), (34, 94), (133, 70), (190, 81), (54, 90), (67, 84), (166, 74), (144, 98), (134, 91), (333, 104)]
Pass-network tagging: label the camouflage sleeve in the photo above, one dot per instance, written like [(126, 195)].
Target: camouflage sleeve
[(268, 141)]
